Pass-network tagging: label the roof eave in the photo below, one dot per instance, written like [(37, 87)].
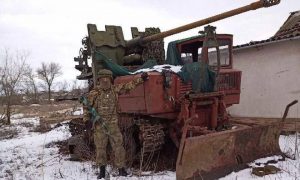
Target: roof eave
[(265, 43)]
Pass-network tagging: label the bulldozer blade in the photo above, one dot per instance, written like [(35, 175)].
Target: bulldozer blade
[(217, 154)]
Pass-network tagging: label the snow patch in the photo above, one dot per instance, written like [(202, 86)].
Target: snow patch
[(79, 111), (63, 111), (160, 68), (16, 116), (34, 105), (34, 121)]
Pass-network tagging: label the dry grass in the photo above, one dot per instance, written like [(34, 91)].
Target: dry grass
[(42, 110)]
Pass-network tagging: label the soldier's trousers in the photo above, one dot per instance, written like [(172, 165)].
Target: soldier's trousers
[(116, 141)]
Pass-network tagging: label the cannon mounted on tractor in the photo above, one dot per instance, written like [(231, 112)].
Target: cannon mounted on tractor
[(181, 115)]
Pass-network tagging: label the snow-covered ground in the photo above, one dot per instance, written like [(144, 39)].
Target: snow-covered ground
[(28, 155)]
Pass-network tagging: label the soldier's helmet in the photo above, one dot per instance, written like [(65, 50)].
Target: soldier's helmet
[(105, 73)]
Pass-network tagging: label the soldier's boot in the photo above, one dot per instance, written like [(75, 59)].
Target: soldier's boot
[(122, 172), (102, 172)]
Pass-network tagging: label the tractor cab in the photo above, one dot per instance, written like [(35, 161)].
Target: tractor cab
[(215, 50), (193, 50), (208, 47)]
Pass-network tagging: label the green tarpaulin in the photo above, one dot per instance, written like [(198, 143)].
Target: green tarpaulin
[(201, 76), (199, 73), (118, 70)]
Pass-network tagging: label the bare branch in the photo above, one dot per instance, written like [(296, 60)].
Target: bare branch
[(48, 73), (31, 85), (13, 68)]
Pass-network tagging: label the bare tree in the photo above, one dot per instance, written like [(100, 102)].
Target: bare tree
[(2, 100), (75, 85), (78, 87), (63, 86), (47, 73), (31, 85), (13, 67)]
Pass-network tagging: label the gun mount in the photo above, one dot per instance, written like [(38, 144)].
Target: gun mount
[(192, 129), (144, 45)]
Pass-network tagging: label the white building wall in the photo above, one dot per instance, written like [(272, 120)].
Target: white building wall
[(270, 79)]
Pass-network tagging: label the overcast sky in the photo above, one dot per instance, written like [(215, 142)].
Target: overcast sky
[(52, 29)]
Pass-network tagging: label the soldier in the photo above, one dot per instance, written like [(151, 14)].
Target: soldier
[(104, 98)]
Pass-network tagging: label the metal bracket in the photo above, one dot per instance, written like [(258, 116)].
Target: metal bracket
[(268, 3)]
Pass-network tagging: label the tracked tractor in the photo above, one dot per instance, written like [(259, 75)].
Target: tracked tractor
[(182, 114)]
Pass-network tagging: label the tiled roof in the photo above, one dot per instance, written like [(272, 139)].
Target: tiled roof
[(291, 26), (290, 29)]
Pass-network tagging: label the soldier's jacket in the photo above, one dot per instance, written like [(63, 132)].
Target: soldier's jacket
[(106, 101)]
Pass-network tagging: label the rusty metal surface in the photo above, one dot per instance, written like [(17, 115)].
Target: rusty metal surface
[(152, 98), (216, 154)]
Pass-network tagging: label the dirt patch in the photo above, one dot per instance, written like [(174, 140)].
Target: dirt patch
[(63, 147), (8, 133), (42, 128)]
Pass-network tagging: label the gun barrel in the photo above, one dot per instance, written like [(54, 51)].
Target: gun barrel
[(252, 6)]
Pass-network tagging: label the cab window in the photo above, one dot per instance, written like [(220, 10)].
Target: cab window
[(224, 46)]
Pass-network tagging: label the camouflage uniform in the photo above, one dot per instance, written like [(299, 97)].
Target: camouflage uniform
[(106, 102)]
